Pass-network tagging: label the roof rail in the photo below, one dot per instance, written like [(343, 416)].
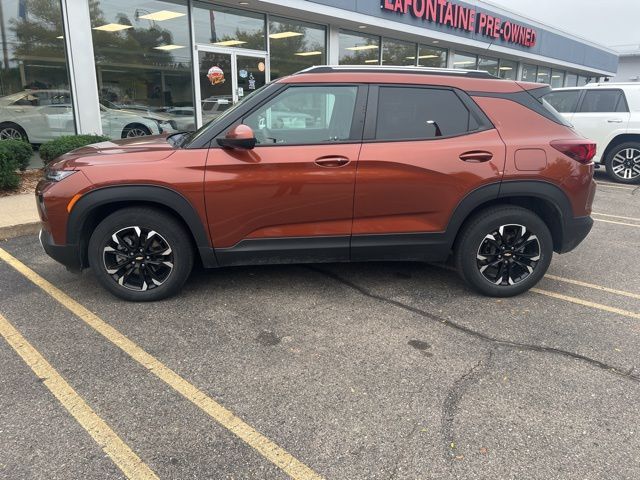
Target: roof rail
[(398, 69)]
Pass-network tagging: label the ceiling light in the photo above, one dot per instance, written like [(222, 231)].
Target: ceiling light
[(371, 61), (428, 56), (362, 47), (308, 54), (229, 43), (60, 37), (285, 35), (436, 41), (169, 47), (555, 76), (243, 3), (506, 68), (162, 15), (410, 58), (362, 26), (466, 62), (112, 27)]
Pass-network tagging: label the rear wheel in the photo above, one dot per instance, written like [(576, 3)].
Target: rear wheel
[(623, 163), (135, 130), (503, 251), (11, 131), (140, 254)]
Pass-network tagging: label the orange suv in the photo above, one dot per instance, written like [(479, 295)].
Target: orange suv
[(332, 164)]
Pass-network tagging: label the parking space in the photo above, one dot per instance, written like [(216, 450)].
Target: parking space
[(349, 371)]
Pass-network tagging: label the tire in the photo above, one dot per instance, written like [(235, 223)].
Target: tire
[(134, 130), (476, 254), (623, 163), (12, 131), (111, 246)]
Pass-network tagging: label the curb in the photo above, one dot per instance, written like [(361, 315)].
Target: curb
[(13, 231)]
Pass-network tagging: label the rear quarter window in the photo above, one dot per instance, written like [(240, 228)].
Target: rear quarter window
[(564, 101), (415, 113)]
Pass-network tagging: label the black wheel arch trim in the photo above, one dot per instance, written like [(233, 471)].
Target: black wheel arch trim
[(539, 189), (156, 194)]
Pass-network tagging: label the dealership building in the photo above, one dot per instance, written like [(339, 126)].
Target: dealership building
[(101, 66)]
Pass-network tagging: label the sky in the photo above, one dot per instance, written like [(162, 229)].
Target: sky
[(611, 23)]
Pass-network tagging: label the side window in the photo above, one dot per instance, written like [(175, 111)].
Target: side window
[(305, 115), (564, 101), (407, 113), (603, 101)]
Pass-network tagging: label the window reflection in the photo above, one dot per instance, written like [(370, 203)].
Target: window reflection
[(466, 61), (489, 65), (432, 57), (143, 65), (35, 102), (529, 73), (508, 69), (294, 46), (357, 49), (228, 27), (397, 52)]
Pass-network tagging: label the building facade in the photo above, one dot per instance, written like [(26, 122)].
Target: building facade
[(129, 67)]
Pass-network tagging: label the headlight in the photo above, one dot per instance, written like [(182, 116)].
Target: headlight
[(58, 175)]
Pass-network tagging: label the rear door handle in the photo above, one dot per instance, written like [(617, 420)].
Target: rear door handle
[(476, 156), (332, 162), (615, 120)]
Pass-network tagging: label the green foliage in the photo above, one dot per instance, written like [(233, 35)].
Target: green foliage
[(51, 150), (19, 150), (9, 178)]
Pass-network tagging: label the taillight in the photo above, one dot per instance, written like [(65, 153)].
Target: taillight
[(581, 151)]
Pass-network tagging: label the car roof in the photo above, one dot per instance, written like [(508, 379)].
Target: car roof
[(589, 86), (470, 80)]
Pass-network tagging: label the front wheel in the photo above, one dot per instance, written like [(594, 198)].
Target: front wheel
[(623, 163), (503, 251), (135, 130), (140, 254)]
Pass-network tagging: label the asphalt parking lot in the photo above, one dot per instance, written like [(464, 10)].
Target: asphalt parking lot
[(362, 371)]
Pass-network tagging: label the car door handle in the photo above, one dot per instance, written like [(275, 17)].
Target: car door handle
[(476, 156), (615, 120), (332, 162)]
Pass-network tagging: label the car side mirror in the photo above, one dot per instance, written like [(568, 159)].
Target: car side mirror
[(240, 137)]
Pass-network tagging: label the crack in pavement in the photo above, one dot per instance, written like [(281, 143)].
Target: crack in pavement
[(453, 399), (627, 375)]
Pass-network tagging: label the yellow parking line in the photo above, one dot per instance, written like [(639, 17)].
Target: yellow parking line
[(126, 460), (616, 216), (586, 303), (617, 223), (268, 449), (595, 287)]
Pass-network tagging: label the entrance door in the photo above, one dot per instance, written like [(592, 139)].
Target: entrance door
[(225, 76)]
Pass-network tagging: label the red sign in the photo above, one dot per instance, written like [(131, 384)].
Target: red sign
[(445, 12)]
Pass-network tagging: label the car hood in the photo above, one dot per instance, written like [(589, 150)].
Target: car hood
[(141, 149)]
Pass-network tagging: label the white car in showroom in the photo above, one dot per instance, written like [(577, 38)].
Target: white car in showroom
[(41, 115), (609, 114)]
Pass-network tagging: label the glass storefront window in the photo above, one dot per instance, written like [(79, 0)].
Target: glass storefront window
[(466, 61), (432, 57), (489, 65), (143, 65), (544, 75), (571, 80), (35, 101), (508, 69), (529, 73), (397, 52), (358, 49), (557, 78), (295, 46), (228, 27)]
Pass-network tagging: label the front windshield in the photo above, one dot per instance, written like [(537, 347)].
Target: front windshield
[(212, 123)]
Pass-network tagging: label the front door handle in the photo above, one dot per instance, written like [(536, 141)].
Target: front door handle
[(476, 156), (332, 162)]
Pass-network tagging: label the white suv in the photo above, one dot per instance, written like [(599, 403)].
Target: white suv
[(608, 114)]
